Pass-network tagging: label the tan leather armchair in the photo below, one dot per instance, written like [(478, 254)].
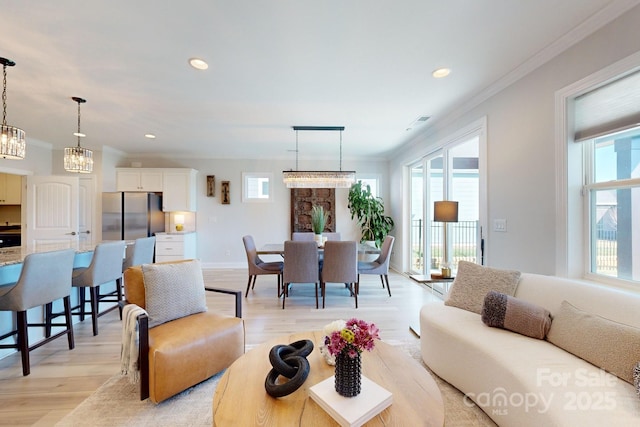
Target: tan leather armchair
[(184, 352)]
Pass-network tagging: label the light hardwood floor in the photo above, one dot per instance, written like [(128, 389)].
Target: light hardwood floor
[(60, 379)]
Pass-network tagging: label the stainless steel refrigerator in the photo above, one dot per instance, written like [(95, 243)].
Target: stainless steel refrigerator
[(128, 216)]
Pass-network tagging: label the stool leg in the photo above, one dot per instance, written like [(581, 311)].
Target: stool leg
[(120, 295), (67, 312), (47, 319), (95, 291), (81, 302), (23, 341)]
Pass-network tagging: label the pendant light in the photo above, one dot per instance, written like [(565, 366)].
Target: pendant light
[(318, 179), (12, 139), (78, 159)]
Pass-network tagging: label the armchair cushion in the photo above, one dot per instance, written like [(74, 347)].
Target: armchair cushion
[(162, 301)]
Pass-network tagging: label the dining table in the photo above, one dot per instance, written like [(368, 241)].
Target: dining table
[(278, 249)]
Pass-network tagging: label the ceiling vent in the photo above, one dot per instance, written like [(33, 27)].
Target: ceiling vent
[(417, 122)]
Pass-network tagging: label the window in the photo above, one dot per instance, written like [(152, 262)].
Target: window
[(612, 205), (372, 183), (256, 187)]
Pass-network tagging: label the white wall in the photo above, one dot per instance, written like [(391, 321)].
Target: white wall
[(220, 227), (521, 150)]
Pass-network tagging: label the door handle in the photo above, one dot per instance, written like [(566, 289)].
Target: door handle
[(85, 232), (73, 233)]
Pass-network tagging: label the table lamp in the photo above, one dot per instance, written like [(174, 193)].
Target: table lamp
[(179, 220), (445, 211)]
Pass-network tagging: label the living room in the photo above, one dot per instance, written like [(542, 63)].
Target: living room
[(526, 162)]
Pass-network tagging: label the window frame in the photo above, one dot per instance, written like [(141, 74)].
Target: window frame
[(246, 176), (572, 231)]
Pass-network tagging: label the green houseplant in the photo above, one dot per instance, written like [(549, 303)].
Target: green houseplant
[(369, 211), (318, 219)]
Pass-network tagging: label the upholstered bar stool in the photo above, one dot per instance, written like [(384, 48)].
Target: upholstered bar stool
[(45, 278), (105, 267), (141, 252)]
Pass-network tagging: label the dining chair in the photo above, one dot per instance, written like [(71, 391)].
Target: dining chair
[(332, 236), (259, 267), (300, 266), (105, 267), (302, 236), (340, 266), (141, 252), (45, 277), (381, 265)]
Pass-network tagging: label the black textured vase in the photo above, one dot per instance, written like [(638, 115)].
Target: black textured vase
[(348, 374)]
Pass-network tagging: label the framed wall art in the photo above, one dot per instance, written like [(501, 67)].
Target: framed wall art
[(225, 195), (211, 185)]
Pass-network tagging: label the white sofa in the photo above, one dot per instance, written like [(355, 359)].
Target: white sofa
[(521, 381)]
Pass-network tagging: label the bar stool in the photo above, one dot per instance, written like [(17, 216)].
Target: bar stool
[(45, 278), (141, 252), (105, 267)]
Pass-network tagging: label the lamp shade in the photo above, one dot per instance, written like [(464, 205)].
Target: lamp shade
[(445, 211)]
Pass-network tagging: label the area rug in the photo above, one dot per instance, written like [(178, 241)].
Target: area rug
[(117, 403)]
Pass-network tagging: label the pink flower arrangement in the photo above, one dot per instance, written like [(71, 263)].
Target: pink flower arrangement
[(355, 337)]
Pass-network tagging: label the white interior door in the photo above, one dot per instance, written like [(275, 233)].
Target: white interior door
[(86, 210), (52, 210)]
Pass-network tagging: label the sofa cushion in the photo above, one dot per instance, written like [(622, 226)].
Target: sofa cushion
[(162, 302), (516, 315), (473, 281), (612, 346)]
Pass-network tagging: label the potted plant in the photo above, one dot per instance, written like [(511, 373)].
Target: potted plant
[(318, 219), (369, 211)]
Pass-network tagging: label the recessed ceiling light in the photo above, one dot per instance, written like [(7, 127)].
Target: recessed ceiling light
[(441, 72), (149, 136), (198, 64)]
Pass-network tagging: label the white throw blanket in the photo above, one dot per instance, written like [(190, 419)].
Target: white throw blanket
[(130, 339)]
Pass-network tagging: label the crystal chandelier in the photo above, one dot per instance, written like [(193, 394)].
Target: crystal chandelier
[(318, 179), (12, 139), (78, 159)]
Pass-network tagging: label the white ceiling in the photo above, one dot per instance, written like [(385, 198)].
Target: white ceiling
[(365, 65)]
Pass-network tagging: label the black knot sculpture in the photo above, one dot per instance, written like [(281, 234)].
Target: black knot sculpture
[(291, 362)]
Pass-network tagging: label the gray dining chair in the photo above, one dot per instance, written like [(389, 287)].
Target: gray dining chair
[(300, 266), (45, 277), (340, 266), (332, 236), (259, 267), (105, 267), (141, 252), (380, 266), (302, 236)]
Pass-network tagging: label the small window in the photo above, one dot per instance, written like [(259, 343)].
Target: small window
[(372, 183), (256, 187)]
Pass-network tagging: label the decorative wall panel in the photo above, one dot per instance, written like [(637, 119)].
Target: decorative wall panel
[(303, 199)]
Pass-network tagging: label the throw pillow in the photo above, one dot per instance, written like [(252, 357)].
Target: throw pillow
[(473, 281), (607, 344), (173, 290), (636, 378), (517, 315)]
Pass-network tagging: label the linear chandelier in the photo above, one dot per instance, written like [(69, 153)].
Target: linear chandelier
[(78, 159), (12, 139), (318, 179)]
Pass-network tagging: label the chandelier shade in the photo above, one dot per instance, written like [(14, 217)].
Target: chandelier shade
[(318, 179), (12, 139), (78, 159)]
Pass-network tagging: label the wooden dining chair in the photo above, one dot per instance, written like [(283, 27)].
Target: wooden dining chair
[(340, 266), (300, 266)]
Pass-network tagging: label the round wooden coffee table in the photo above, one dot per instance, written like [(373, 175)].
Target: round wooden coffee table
[(241, 400)]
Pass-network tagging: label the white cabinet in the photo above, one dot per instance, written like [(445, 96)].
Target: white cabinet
[(179, 192), (175, 246), (137, 179), (10, 189)]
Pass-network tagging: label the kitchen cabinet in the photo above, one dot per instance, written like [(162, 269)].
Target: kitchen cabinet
[(10, 189), (139, 179), (175, 246), (179, 192)]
